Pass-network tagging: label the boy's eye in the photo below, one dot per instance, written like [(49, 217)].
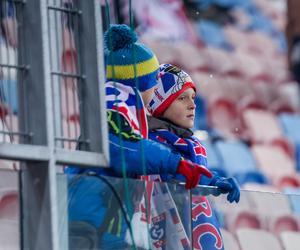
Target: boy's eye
[(181, 98)]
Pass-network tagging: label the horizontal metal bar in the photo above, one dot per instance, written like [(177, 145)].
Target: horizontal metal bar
[(22, 67), (64, 74), (24, 152), (57, 8), (82, 158), (68, 139), (16, 133)]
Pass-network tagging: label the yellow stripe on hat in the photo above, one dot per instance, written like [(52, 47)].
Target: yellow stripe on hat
[(127, 71)]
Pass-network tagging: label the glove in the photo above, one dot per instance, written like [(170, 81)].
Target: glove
[(227, 185), (192, 172)]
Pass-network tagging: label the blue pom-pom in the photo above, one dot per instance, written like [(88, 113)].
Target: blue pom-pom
[(119, 36)]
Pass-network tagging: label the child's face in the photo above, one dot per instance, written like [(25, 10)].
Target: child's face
[(182, 110)]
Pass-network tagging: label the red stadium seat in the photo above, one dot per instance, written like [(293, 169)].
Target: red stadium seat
[(9, 205), (282, 223), (274, 162), (262, 126), (71, 131), (222, 116), (242, 218)]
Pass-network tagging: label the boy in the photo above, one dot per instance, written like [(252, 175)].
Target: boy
[(173, 112)]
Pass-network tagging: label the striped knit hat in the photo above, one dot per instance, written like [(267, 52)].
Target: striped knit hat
[(172, 82), (128, 61)]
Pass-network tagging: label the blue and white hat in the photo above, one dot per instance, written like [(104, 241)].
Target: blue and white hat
[(172, 81)]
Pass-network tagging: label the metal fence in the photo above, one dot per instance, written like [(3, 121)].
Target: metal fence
[(51, 101)]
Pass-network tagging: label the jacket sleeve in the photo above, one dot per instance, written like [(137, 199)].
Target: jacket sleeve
[(141, 157)]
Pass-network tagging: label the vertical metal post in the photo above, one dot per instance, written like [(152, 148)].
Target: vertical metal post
[(38, 181), (90, 52)]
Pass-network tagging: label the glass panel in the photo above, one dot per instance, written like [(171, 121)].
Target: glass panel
[(96, 219), (101, 211), (259, 221)]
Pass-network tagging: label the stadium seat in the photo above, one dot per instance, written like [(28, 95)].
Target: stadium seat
[(163, 49), (293, 195), (290, 91), (220, 61), (71, 131), (252, 68), (4, 137), (275, 164), (222, 117), (9, 205), (282, 222), (10, 235), (11, 122), (291, 124), (9, 94), (214, 162), (290, 240), (257, 239), (8, 56), (230, 242), (208, 84), (69, 97), (281, 105), (261, 125), (269, 203), (264, 91), (242, 218), (189, 57), (238, 161), (9, 180), (250, 102)]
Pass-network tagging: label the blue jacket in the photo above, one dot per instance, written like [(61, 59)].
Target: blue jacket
[(156, 124), (201, 219), (128, 148), (130, 152)]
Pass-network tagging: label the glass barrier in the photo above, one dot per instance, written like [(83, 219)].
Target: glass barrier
[(113, 213)]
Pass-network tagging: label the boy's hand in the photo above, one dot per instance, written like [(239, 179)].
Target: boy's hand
[(227, 185), (192, 172)]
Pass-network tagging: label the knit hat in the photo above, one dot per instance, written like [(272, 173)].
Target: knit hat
[(172, 81), (128, 61)]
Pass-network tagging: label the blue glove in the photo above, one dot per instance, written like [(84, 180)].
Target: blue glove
[(227, 185)]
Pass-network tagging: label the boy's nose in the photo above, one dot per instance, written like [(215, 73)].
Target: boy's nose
[(192, 105)]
